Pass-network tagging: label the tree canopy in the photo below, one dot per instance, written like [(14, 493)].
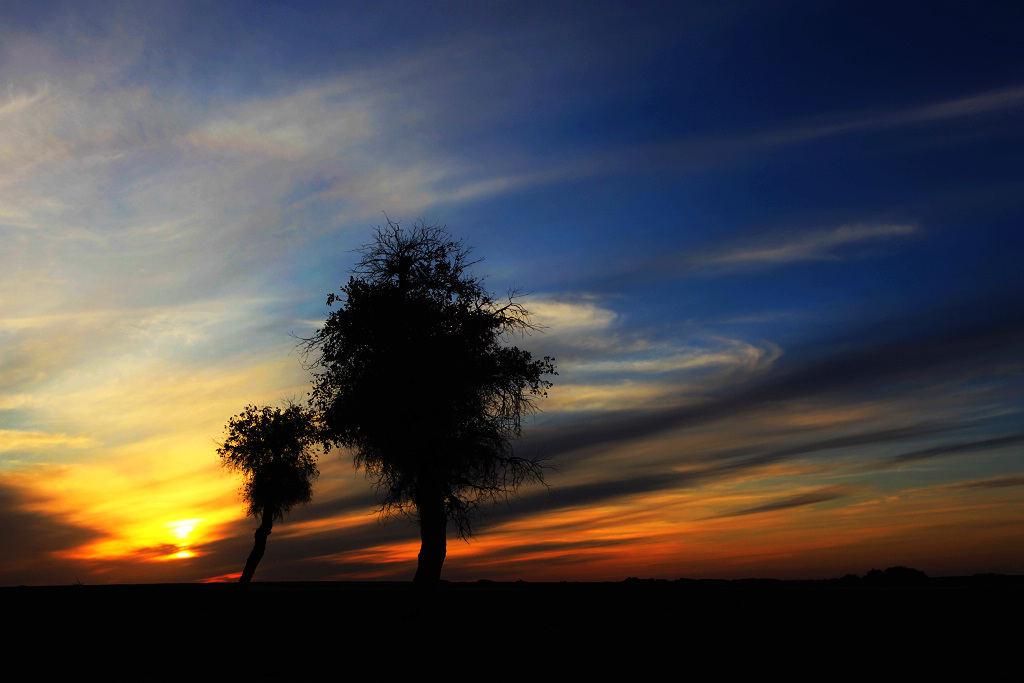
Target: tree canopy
[(412, 373)]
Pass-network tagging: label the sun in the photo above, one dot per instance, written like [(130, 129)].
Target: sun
[(181, 530)]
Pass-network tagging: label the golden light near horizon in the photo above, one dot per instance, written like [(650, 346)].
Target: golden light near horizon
[(181, 530), (151, 542)]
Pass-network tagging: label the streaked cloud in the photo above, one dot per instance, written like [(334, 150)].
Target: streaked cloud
[(569, 317), (961, 107), (30, 539), (960, 351), (734, 353), (822, 495), (316, 121), (958, 448), (771, 249), (15, 440), (826, 245), (992, 483), (608, 396)]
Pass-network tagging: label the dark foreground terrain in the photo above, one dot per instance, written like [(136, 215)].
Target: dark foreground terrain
[(849, 629)]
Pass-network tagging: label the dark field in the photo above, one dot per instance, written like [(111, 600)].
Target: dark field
[(944, 629)]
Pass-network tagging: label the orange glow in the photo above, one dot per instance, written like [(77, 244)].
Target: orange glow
[(159, 515), (326, 525), (181, 530)]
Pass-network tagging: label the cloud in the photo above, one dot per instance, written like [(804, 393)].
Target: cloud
[(821, 495), (949, 345), (990, 483), (816, 246), (731, 353), (59, 127), (691, 155), (607, 396), (98, 352), (579, 326), (962, 107), (970, 106), (591, 494), (108, 185), (958, 448), (755, 457), (570, 317), (16, 440), (602, 369), (30, 538), (843, 243), (831, 403), (694, 463), (317, 122)]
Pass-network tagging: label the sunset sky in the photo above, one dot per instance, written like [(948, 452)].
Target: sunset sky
[(776, 247)]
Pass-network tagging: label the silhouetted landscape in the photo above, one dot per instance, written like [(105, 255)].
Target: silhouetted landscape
[(731, 289), (882, 626)]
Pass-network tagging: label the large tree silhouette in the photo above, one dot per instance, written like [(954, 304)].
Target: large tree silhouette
[(412, 374), (275, 450)]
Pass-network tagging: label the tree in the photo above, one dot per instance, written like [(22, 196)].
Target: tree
[(275, 451), (412, 375)]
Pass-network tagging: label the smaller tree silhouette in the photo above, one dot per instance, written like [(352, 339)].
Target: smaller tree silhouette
[(274, 450)]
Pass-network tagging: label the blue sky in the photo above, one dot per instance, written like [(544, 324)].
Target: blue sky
[(775, 246)]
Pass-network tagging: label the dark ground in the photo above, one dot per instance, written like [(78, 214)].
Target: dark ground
[(850, 629)]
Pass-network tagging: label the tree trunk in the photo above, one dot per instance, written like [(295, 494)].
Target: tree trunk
[(433, 536), (258, 548)]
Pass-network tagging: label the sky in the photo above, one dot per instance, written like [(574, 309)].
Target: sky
[(775, 249)]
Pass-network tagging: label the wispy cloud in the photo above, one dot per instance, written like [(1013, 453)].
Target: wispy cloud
[(769, 250), (953, 345), (824, 245), (733, 353), (566, 317), (958, 448), (31, 536), (990, 483), (716, 150), (603, 369), (311, 122), (961, 107), (15, 440), (821, 495)]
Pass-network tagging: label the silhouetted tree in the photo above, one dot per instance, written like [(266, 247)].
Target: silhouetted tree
[(274, 450), (411, 373), (896, 576)]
